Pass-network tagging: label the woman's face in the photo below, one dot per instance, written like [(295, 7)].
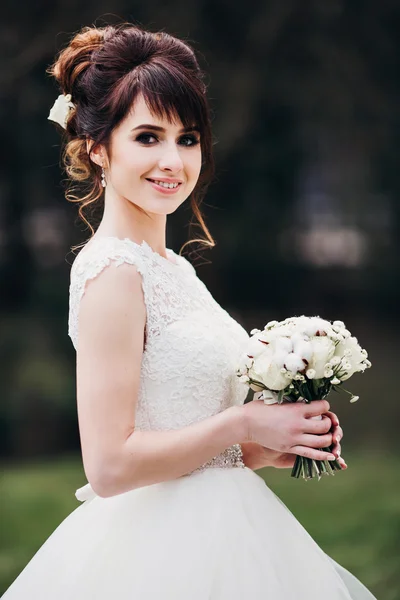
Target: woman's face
[(153, 163)]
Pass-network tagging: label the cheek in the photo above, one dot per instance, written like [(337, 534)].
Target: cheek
[(132, 162), (194, 164)]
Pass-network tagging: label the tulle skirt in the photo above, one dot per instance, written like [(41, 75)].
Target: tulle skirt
[(218, 534)]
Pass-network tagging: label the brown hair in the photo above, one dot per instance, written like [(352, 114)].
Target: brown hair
[(105, 69)]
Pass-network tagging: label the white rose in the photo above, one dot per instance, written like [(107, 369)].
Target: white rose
[(268, 372), (350, 349), (323, 349)]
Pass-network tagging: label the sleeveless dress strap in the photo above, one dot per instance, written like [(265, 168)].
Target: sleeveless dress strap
[(89, 263)]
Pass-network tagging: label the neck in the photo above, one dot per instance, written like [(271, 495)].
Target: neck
[(123, 219)]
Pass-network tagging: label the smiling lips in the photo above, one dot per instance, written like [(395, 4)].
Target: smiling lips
[(169, 185)]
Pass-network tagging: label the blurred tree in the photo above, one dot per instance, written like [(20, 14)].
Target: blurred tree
[(305, 99)]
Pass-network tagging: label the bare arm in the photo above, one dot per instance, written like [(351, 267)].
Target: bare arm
[(152, 456), (116, 457)]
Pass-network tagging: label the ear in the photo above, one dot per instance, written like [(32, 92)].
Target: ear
[(97, 155)]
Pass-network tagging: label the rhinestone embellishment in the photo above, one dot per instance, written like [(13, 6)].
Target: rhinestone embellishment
[(230, 458)]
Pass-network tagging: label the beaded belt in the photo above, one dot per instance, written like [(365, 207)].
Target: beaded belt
[(231, 457)]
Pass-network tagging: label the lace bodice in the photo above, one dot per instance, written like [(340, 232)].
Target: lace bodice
[(192, 343)]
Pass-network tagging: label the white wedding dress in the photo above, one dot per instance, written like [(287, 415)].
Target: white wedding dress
[(218, 533)]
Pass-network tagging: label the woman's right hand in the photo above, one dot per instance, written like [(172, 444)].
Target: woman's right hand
[(288, 427)]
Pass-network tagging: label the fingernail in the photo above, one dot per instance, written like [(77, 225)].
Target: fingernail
[(337, 439), (331, 457)]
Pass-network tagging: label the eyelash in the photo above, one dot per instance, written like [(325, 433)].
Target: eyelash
[(144, 136)]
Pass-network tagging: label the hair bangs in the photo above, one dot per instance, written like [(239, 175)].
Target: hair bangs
[(169, 94)]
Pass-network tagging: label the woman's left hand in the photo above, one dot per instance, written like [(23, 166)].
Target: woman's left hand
[(256, 456)]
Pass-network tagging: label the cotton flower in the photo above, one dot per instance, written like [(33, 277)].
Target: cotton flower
[(310, 373), (304, 349), (284, 343), (280, 357), (60, 110), (311, 325), (294, 363), (354, 398), (335, 381), (255, 346)]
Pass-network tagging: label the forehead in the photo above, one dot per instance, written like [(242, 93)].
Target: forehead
[(140, 113)]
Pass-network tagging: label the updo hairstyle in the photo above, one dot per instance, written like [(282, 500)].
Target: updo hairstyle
[(105, 69)]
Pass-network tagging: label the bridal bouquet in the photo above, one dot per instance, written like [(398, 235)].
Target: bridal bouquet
[(301, 359)]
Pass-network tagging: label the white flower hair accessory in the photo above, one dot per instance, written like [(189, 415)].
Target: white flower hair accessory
[(60, 110)]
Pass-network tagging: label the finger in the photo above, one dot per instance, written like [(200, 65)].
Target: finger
[(342, 463), (317, 427), (336, 449), (333, 418), (312, 453), (316, 407), (337, 434), (316, 441)]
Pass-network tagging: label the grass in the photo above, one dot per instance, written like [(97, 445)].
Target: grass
[(354, 516)]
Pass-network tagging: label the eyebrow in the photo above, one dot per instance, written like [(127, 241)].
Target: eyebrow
[(157, 128)]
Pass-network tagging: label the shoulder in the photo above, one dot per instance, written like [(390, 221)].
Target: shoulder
[(112, 307), (101, 253), (106, 278)]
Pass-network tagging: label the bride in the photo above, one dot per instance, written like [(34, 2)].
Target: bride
[(173, 508)]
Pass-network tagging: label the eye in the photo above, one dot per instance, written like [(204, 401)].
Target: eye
[(189, 140), (145, 138)]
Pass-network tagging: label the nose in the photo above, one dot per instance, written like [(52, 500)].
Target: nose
[(171, 160)]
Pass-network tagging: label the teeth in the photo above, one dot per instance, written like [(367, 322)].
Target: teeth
[(166, 185)]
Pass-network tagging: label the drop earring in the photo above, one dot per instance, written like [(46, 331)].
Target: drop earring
[(103, 177)]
